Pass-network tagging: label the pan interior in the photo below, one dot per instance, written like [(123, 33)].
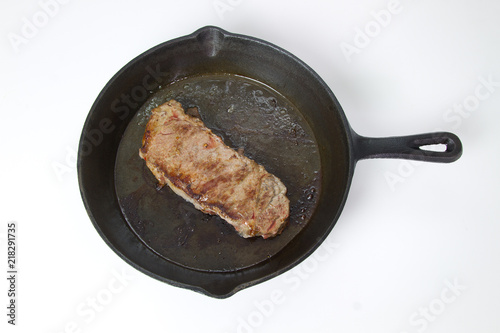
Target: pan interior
[(248, 115)]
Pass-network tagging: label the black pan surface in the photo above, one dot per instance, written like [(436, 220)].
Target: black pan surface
[(258, 98), (248, 116)]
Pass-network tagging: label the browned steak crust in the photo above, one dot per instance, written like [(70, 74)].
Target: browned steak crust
[(196, 164)]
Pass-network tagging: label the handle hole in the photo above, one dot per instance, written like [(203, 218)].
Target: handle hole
[(440, 147)]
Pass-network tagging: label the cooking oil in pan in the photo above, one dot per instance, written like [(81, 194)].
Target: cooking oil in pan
[(248, 116)]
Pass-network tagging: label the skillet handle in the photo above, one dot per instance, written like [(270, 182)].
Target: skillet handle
[(409, 147)]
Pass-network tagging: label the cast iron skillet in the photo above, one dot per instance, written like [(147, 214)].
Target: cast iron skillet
[(259, 98)]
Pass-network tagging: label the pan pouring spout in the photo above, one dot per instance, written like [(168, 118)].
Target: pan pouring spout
[(211, 40)]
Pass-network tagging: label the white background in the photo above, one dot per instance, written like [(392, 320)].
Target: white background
[(417, 247)]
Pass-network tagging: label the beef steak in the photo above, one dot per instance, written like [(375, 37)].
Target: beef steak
[(196, 164)]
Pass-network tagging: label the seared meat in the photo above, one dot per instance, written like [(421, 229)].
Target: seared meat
[(196, 164)]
